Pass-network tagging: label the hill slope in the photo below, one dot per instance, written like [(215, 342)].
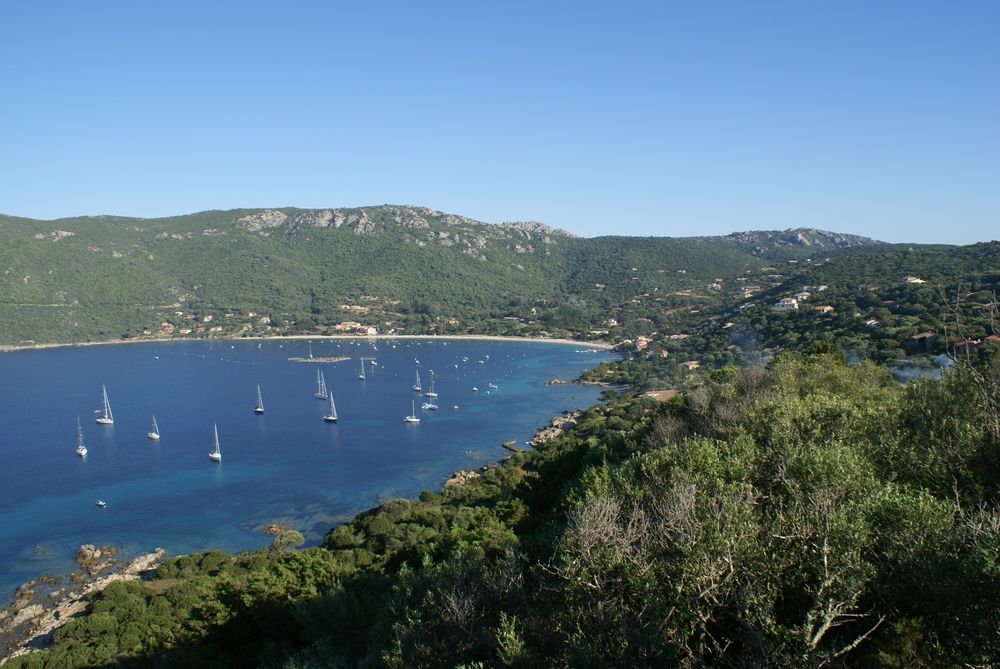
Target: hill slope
[(405, 268)]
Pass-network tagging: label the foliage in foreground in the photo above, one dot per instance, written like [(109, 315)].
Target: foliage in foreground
[(812, 514)]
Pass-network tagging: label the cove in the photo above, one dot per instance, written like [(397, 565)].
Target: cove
[(286, 465)]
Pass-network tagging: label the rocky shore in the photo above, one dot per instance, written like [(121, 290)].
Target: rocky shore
[(558, 426), (44, 604)]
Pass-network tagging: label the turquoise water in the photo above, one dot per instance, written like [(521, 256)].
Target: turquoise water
[(286, 465)]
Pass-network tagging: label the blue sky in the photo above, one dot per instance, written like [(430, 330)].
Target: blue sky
[(659, 118)]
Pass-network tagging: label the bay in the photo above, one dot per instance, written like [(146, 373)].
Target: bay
[(285, 466)]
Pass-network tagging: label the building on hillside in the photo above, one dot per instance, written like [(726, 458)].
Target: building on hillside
[(662, 395), (691, 365), (992, 339), (823, 308), (913, 279), (963, 345), (921, 343), (803, 295), (786, 304)]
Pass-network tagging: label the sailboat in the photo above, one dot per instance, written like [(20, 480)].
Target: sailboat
[(321, 393), (154, 431), (216, 454), (361, 374), (331, 413), (105, 417), (259, 407), (413, 417), (430, 393), (81, 450), (416, 386)]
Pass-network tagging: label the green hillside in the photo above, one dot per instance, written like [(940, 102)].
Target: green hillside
[(407, 269)]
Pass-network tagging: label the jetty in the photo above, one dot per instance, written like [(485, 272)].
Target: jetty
[(336, 358)]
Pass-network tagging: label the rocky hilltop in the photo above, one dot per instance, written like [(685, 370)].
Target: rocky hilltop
[(425, 224), (796, 241)]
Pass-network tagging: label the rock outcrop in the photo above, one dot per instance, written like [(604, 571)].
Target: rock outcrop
[(36, 612)]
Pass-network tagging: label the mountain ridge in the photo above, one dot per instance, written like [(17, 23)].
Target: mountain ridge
[(396, 268), (407, 215)]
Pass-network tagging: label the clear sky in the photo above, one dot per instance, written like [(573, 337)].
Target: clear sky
[(645, 118)]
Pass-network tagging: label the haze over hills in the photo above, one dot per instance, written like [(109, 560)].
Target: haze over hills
[(103, 277)]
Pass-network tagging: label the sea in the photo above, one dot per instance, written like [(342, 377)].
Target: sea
[(285, 466)]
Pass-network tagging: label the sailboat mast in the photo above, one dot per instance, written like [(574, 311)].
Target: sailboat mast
[(105, 418)]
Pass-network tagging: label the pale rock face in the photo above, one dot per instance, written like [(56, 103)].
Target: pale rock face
[(268, 218), (420, 222), (317, 219), (55, 235)]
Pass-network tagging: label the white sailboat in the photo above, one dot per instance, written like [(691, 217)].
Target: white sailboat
[(321, 392), (416, 386), (216, 454), (331, 412), (259, 407), (413, 417), (154, 431), (105, 417), (81, 450), (361, 374), (430, 393), (430, 406)]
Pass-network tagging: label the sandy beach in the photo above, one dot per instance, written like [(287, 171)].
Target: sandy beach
[(604, 346)]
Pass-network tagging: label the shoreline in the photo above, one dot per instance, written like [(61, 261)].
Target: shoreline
[(593, 346), (29, 619), (599, 345)]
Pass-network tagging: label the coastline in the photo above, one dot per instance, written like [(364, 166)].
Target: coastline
[(598, 345), (585, 361), (40, 606)]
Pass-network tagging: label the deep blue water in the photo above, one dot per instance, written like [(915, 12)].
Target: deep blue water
[(286, 465)]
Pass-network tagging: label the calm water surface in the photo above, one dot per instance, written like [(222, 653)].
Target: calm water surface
[(286, 465)]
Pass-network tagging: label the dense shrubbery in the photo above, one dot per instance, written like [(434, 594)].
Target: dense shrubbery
[(812, 514)]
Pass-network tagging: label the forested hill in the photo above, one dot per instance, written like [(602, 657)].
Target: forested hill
[(405, 269)]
